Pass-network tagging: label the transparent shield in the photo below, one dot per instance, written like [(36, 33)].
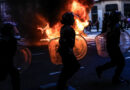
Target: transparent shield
[(101, 43), (80, 49)]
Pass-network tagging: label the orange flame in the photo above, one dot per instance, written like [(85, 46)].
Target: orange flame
[(81, 21)]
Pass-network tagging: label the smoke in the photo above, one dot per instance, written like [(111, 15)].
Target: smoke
[(24, 13)]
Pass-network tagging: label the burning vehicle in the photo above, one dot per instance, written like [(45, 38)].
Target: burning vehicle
[(39, 21)]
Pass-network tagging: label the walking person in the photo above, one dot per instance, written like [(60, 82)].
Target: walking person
[(66, 44), (97, 25), (105, 23), (113, 49), (8, 47)]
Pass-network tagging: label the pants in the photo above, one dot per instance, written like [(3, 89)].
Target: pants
[(70, 67), (117, 59), (9, 69)]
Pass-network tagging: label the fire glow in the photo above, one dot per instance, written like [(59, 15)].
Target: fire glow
[(52, 34), (81, 21)]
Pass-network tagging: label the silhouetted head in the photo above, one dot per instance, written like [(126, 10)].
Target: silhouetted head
[(7, 29), (68, 18), (115, 16)]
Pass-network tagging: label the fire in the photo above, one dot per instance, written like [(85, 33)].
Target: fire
[(52, 34), (80, 16), (81, 21), (80, 49)]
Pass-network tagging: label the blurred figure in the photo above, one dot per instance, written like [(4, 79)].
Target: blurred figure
[(105, 23), (8, 47), (128, 21), (89, 26), (115, 54), (66, 44), (97, 25), (125, 22)]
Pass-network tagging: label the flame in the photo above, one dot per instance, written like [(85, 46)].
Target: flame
[(53, 33), (80, 16), (81, 21)]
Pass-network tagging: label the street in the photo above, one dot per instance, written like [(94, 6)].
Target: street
[(43, 75)]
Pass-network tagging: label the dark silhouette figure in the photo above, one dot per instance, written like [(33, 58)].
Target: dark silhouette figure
[(105, 23), (89, 26), (67, 42), (8, 46), (97, 25), (116, 56)]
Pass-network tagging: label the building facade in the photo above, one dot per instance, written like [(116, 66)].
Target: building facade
[(102, 6)]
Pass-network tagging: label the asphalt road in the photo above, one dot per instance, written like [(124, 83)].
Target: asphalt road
[(43, 74)]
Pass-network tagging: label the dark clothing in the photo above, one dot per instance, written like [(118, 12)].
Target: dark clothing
[(70, 63), (97, 25), (117, 58), (67, 41), (67, 37), (8, 46), (113, 37)]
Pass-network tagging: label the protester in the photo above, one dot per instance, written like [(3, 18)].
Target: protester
[(8, 47), (66, 44), (113, 49)]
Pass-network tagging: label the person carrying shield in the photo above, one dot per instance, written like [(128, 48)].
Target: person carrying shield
[(66, 44)]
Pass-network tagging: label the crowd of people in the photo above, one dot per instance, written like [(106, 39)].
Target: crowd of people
[(112, 28)]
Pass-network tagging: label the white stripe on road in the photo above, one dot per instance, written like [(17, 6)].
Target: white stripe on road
[(82, 67), (128, 50), (54, 73), (127, 57), (58, 72), (47, 85), (54, 85)]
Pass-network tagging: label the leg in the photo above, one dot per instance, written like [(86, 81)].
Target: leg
[(68, 71), (104, 67), (15, 78), (119, 69)]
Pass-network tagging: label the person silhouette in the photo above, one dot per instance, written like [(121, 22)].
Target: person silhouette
[(105, 23), (97, 25), (66, 44), (113, 49), (8, 47)]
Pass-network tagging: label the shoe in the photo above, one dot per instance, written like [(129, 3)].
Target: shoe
[(99, 72)]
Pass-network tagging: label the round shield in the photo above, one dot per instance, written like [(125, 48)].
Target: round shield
[(101, 43), (80, 49), (22, 59)]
